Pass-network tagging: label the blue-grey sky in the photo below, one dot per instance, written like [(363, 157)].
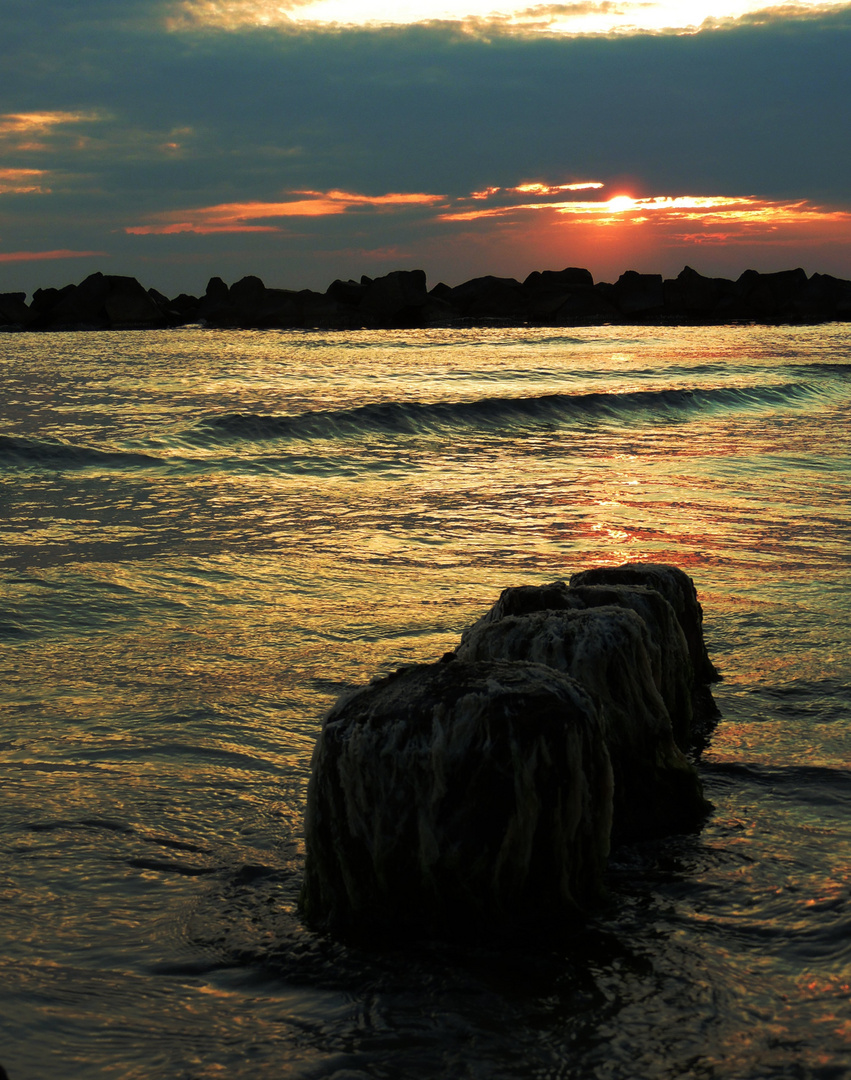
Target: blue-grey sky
[(177, 139)]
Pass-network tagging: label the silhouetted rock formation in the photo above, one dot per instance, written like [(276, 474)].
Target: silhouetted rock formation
[(14, 310), (401, 300), (482, 792), (100, 302)]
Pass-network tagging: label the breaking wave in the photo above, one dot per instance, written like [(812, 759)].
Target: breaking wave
[(33, 453), (500, 413)]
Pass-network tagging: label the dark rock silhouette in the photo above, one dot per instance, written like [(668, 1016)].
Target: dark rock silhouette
[(691, 297), (99, 302), (482, 792), (487, 298), (401, 300), (14, 311), (637, 296), (396, 300)]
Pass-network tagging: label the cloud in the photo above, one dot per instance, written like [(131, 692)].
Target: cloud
[(26, 124), (222, 150), (706, 211), (23, 182), (40, 256), (482, 17), (615, 216), (237, 217)]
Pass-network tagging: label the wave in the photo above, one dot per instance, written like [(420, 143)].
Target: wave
[(34, 453), (499, 413)]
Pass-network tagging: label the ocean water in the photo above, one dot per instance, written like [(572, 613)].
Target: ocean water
[(208, 535)]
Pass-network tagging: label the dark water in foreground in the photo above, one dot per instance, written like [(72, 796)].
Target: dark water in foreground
[(207, 535)]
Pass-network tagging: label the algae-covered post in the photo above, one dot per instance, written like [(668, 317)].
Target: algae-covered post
[(483, 792), (453, 796), (608, 649)]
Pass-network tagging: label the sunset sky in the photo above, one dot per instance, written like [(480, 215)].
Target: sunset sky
[(304, 140)]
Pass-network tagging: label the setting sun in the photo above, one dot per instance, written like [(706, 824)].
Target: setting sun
[(620, 203)]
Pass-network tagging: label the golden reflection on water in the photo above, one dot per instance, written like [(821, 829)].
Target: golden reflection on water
[(181, 628)]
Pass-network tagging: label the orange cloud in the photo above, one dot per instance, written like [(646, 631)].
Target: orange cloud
[(552, 189), (505, 229), (22, 182), (513, 235), (41, 122), (238, 217), (732, 212), (34, 256)]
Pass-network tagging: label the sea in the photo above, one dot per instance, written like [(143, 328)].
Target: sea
[(208, 535)]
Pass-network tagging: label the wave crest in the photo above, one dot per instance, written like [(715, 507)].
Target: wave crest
[(499, 413)]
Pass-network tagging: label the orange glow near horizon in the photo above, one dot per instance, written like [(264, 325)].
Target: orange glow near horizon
[(707, 210), (505, 228)]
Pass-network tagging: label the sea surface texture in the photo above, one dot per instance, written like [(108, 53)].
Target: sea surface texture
[(208, 535)]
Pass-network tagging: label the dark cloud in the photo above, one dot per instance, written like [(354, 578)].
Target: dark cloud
[(186, 120)]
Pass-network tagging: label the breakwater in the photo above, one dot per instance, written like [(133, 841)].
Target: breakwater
[(402, 299)]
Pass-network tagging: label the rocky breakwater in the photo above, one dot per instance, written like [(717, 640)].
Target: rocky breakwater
[(401, 299), (481, 793), (100, 302)]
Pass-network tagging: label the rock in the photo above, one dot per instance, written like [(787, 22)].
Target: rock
[(489, 298), (395, 300), (186, 307), (100, 302), (440, 291), (586, 307), (570, 277), (566, 297), (44, 300), (346, 292), (677, 588), (281, 309), (457, 798), (673, 672), (548, 291), (129, 306), (524, 599), (638, 296), (14, 310), (213, 305), (691, 297), (610, 651), (759, 297), (824, 297), (246, 296), (319, 311), (669, 655), (81, 305), (248, 304)]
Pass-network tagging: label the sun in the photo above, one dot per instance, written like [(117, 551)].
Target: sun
[(620, 203)]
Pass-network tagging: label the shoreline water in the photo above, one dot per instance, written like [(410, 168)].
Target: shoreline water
[(211, 535)]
